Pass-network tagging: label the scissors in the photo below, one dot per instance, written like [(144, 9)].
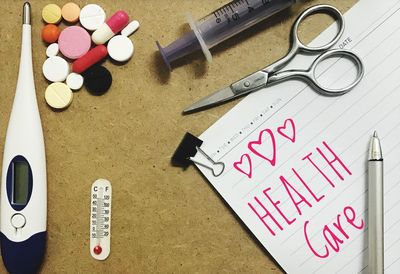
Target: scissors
[(273, 74)]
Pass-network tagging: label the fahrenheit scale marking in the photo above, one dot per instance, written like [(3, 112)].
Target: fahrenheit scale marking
[(100, 219)]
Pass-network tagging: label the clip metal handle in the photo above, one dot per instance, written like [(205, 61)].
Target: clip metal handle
[(212, 168)]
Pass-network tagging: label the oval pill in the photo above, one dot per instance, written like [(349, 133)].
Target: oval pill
[(58, 95), (55, 69), (52, 50), (51, 14), (97, 80), (74, 81), (70, 12), (112, 26), (74, 42), (92, 57), (120, 48), (50, 33), (92, 16), (130, 28)]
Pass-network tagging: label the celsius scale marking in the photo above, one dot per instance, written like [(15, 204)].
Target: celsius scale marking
[(100, 219)]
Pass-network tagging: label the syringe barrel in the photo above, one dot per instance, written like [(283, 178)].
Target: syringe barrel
[(235, 17)]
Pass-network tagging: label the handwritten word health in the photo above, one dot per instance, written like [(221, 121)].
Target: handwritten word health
[(300, 192)]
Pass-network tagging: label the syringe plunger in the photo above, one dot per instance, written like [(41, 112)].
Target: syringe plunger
[(179, 48)]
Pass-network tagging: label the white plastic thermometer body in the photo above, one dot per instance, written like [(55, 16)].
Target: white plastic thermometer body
[(100, 219), (23, 184)]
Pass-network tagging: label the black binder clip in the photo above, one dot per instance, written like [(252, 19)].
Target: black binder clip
[(188, 148)]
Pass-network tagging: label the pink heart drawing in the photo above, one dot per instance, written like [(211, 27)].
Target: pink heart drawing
[(242, 166), (289, 132), (259, 142)]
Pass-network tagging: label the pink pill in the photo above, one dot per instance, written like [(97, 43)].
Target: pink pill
[(74, 42)]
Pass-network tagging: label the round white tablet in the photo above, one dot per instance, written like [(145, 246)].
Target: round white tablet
[(74, 81), (58, 95), (120, 48), (55, 69), (52, 50), (130, 28), (92, 16)]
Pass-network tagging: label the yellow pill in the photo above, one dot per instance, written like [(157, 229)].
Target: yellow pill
[(51, 14), (58, 95)]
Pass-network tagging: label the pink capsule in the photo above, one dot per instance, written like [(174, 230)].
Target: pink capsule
[(112, 26)]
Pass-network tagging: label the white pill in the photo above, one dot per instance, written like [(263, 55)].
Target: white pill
[(130, 28), (120, 48), (92, 16), (55, 69), (52, 50), (58, 95), (74, 81)]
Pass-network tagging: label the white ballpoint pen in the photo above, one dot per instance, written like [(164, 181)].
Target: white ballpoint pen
[(375, 206)]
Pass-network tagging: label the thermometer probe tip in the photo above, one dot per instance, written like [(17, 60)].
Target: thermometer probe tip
[(26, 14)]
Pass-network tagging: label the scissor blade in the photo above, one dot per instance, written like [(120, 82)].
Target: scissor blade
[(220, 96), (250, 83)]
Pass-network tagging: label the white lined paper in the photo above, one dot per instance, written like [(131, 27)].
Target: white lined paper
[(345, 123)]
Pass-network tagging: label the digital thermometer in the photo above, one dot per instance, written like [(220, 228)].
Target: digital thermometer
[(23, 204)]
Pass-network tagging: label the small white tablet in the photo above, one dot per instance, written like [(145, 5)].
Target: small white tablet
[(92, 16), (74, 81), (120, 48), (52, 50), (130, 28), (55, 69)]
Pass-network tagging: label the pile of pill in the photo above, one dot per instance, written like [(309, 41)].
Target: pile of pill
[(84, 49)]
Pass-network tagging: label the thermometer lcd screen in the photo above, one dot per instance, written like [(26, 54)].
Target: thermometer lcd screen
[(20, 183)]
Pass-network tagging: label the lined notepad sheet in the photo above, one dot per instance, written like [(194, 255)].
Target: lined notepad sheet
[(296, 161)]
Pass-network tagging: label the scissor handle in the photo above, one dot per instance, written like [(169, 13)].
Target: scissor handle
[(309, 74), (298, 45), (335, 91)]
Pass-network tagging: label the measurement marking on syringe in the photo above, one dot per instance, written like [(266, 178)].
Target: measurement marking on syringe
[(221, 24)]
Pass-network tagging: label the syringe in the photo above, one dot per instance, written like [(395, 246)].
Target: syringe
[(220, 25)]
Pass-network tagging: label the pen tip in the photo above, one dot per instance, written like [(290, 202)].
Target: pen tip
[(375, 150)]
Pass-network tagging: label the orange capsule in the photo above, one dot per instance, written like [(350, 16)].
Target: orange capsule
[(50, 33)]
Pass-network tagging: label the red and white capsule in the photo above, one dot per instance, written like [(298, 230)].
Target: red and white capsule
[(111, 27)]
